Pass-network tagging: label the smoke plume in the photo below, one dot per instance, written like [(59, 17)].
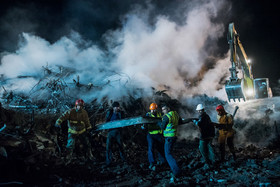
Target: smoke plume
[(171, 49), (140, 54)]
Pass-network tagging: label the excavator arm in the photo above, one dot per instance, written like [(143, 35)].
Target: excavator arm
[(239, 87)]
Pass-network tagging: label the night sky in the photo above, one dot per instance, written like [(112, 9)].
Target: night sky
[(256, 22)]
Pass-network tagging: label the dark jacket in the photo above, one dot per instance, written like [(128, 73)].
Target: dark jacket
[(206, 126), (78, 121), (109, 114)]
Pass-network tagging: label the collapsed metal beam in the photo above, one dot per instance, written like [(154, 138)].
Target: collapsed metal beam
[(127, 122), (134, 121)]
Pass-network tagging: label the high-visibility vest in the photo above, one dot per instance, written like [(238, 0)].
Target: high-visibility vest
[(171, 127), (154, 128)]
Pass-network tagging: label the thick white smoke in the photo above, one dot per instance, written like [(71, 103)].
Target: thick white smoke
[(169, 54), (164, 54), (141, 54)]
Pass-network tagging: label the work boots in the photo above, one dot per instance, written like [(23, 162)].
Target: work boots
[(152, 167), (173, 179)]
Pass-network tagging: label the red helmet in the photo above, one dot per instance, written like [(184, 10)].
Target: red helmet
[(153, 106), (220, 108), (79, 102)]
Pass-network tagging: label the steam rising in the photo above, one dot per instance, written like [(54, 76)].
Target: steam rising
[(140, 55), (147, 51)]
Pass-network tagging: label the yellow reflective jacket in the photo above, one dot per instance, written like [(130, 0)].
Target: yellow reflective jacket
[(78, 121), (154, 128), (173, 121)]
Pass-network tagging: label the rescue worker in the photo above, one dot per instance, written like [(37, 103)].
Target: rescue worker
[(226, 132), (155, 139), (207, 131), (114, 134), (169, 124), (78, 126)]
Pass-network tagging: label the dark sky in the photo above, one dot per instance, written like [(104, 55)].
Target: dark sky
[(257, 24), (256, 21)]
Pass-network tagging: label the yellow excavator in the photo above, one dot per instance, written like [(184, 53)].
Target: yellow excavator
[(245, 87)]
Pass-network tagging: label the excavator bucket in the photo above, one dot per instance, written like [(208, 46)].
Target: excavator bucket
[(234, 90)]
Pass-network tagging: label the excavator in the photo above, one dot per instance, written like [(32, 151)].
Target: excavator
[(245, 87)]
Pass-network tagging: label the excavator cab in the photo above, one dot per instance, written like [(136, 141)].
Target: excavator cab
[(261, 86)]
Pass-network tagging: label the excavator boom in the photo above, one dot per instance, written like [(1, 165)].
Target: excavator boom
[(245, 87)]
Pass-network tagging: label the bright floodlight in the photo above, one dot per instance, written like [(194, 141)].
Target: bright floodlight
[(250, 92), (249, 61)]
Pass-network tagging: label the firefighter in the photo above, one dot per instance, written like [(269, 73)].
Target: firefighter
[(207, 131), (78, 126), (226, 132), (155, 139), (113, 114), (169, 124)]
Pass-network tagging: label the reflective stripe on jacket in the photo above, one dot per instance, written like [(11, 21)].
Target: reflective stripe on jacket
[(226, 121), (78, 121), (154, 128), (171, 127)]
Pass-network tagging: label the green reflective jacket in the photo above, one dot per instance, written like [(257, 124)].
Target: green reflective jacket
[(154, 128), (171, 127)]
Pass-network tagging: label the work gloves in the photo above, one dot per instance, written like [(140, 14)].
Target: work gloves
[(195, 121), (57, 125), (92, 131)]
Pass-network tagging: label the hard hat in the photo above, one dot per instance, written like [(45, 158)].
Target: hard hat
[(79, 102), (153, 106), (220, 108), (199, 107)]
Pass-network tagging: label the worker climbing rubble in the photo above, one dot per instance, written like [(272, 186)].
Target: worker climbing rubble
[(207, 131), (226, 132), (78, 127), (155, 139), (115, 113), (169, 125)]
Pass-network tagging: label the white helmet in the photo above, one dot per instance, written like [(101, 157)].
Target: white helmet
[(199, 107)]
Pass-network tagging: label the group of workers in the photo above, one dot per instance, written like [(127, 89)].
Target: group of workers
[(207, 130), (161, 136)]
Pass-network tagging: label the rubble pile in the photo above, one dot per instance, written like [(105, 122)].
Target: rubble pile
[(32, 152)]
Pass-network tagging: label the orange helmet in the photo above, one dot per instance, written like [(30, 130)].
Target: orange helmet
[(220, 108), (153, 106), (79, 102)]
